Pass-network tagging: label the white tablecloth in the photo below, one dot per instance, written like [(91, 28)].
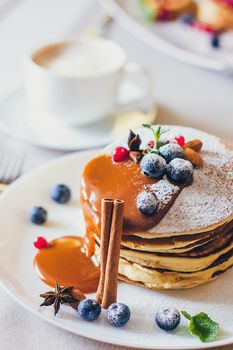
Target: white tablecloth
[(186, 95)]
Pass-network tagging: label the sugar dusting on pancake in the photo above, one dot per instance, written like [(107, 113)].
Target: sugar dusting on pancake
[(209, 200)]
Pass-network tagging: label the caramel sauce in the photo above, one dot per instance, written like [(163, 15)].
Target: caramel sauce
[(103, 178), (64, 260), (89, 245)]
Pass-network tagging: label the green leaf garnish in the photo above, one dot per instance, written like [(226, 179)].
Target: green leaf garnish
[(202, 326), (157, 134), (148, 126), (148, 11), (151, 150)]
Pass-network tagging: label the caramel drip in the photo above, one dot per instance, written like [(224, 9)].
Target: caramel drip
[(89, 244), (103, 178), (64, 260)]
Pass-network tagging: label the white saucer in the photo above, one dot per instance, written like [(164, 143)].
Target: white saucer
[(19, 279), (17, 121)]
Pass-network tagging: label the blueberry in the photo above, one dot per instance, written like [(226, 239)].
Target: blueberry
[(180, 170), (89, 309), (153, 165), (167, 319), (147, 203), (187, 19), (118, 314), (171, 151), (38, 215), (61, 193), (215, 42)]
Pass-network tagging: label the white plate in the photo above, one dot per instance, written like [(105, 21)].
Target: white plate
[(19, 279), (171, 38), (16, 120)]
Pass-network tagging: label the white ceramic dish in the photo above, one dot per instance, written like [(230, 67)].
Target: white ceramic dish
[(16, 120), (184, 44), (20, 281)]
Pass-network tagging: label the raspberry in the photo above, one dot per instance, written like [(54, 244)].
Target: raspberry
[(151, 144), (227, 2), (180, 140), (165, 15), (120, 154), (40, 243), (203, 27)]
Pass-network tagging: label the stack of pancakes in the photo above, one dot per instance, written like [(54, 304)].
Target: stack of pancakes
[(193, 242)]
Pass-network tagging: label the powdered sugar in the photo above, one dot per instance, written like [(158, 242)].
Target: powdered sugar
[(209, 199), (164, 191)]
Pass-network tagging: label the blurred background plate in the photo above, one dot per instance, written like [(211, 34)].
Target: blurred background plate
[(17, 121), (172, 38)]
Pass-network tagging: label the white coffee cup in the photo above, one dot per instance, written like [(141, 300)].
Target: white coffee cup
[(77, 81)]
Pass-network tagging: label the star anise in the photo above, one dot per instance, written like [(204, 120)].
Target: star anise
[(61, 295), (136, 156), (134, 141)]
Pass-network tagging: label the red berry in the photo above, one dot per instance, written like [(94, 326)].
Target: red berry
[(40, 243), (151, 144), (168, 141), (120, 154), (227, 2), (165, 15), (180, 140), (203, 27)]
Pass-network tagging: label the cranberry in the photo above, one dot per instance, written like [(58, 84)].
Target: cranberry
[(165, 15), (120, 154), (40, 243), (227, 2), (151, 144), (180, 140), (203, 27)]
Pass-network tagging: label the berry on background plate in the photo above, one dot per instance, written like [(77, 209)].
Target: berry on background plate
[(118, 314), (167, 319), (38, 215), (61, 193), (41, 243), (89, 309)]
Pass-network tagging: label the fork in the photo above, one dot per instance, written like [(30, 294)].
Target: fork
[(11, 165)]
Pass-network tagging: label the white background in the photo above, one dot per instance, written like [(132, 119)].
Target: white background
[(186, 95)]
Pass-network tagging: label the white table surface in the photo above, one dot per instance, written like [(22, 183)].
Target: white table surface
[(186, 95)]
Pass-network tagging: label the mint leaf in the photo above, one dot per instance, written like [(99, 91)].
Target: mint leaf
[(148, 11), (202, 326), (148, 126), (151, 150), (157, 134), (160, 144), (186, 315)]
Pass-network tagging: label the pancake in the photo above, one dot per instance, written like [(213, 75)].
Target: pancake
[(154, 279), (176, 243), (216, 14), (189, 240), (170, 9), (198, 259), (176, 262)]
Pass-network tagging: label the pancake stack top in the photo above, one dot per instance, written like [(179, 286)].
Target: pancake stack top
[(189, 239)]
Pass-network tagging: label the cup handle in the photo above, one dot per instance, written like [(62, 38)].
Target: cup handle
[(135, 69)]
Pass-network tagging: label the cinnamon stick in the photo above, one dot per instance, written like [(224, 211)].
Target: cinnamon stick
[(111, 272), (106, 220)]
